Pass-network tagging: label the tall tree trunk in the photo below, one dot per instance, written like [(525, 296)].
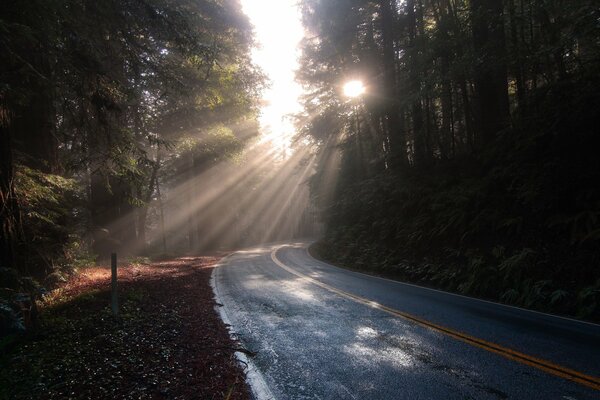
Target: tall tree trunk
[(363, 162), (469, 131), (518, 62), (161, 210), (146, 197), (466, 136), (447, 140), (9, 211), (113, 216), (429, 124), (124, 226), (491, 80), (142, 216), (394, 127), (415, 87), (102, 213), (191, 228), (550, 34), (447, 129)]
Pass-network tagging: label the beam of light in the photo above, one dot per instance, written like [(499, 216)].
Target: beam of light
[(266, 201), (278, 30), (220, 187), (257, 200), (218, 180), (354, 89), (213, 186), (229, 205), (289, 199), (240, 212), (263, 197)]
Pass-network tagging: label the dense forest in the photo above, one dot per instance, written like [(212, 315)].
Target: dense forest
[(470, 163), (109, 113)]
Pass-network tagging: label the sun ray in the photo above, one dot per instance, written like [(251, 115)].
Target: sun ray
[(264, 194)]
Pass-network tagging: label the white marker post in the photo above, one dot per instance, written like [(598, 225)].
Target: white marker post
[(113, 284)]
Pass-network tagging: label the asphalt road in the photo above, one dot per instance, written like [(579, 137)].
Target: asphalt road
[(322, 332)]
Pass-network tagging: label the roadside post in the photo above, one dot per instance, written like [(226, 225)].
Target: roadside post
[(113, 284)]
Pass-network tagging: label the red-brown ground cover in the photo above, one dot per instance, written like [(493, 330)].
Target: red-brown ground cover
[(168, 343)]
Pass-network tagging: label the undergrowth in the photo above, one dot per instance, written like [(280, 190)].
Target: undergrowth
[(519, 224)]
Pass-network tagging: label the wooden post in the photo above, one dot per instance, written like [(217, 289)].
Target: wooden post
[(113, 285)]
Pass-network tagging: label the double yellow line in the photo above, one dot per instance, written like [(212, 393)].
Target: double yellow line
[(546, 366)]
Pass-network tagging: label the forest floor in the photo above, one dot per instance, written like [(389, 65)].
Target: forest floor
[(168, 342)]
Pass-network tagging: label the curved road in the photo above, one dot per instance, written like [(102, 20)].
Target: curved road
[(321, 332)]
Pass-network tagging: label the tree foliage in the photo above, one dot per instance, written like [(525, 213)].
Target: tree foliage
[(94, 97)]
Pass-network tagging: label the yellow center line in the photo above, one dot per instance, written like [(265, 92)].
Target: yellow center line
[(546, 366)]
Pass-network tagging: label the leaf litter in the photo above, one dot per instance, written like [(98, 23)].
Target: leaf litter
[(167, 343)]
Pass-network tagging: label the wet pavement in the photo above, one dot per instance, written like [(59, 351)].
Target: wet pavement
[(314, 342)]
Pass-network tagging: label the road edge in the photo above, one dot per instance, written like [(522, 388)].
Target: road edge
[(254, 378), (523, 310)]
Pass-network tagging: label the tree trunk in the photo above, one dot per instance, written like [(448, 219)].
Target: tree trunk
[(123, 228), (517, 58), (415, 88), (162, 217), (394, 128), (9, 211), (101, 213), (113, 216), (447, 140), (189, 199), (491, 80), (447, 131), (146, 197), (142, 216)]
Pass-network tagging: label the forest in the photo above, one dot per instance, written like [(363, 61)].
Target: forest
[(470, 162), (119, 122), (109, 113), (180, 178)]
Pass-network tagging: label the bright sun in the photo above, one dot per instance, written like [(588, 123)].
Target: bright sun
[(354, 88), (278, 29)]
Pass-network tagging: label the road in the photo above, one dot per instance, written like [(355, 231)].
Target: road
[(322, 332)]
